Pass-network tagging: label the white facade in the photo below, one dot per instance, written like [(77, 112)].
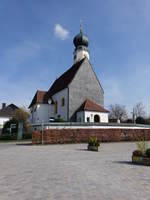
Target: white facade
[(43, 112), (39, 113), (3, 120), (88, 116)]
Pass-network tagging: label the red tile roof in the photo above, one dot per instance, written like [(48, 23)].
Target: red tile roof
[(40, 97), (8, 111), (89, 105)]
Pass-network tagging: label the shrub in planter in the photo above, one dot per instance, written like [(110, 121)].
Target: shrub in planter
[(93, 143), (137, 153), (148, 152)]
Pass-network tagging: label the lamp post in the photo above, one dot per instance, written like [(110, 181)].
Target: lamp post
[(133, 116), (42, 133)]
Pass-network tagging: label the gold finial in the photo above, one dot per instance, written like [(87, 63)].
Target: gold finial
[(80, 25)]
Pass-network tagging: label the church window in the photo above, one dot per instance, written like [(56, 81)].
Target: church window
[(55, 107), (88, 119), (63, 102)]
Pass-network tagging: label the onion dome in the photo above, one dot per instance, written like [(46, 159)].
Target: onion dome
[(80, 40)]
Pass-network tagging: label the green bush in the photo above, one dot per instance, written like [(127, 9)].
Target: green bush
[(93, 141), (137, 153), (8, 136), (7, 125), (129, 121), (140, 120), (148, 152), (27, 136)]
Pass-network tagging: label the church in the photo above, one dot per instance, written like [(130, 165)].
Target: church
[(76, 96)]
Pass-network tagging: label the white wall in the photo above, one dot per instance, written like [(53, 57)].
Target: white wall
[(80, 54), (90, 114), (62, 111), (3, 120), (84, 115), (40, 113)]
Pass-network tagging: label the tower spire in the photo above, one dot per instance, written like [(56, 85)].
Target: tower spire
[(81, 45)]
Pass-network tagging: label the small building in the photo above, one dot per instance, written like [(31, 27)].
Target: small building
[(6, 113), (90, 111), (78, 87)]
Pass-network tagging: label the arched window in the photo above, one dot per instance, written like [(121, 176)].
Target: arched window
[(63, 102), (96, 118), (55, 107)]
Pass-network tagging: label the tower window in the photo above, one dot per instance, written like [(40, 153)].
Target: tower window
[(63, 102), (55, 107)]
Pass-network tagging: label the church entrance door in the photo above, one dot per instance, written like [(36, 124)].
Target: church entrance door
[(96, 118)]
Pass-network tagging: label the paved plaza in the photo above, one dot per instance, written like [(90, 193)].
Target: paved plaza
[(69, 172)]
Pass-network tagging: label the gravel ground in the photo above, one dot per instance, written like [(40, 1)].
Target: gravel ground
[(69, 172)]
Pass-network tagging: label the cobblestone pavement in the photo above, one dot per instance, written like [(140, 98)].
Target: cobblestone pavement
[(69, 172)]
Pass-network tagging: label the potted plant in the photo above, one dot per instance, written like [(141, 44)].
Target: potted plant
[(142, 154), (93, 143)]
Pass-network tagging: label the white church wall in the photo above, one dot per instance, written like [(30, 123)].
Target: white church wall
[(90, 115), (80, 54), (51, 111), (62, 111), (40, 113)]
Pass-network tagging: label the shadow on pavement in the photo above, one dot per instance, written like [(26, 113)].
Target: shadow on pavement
[(24, 144), (129, 163), (124, 162), (81, 149)]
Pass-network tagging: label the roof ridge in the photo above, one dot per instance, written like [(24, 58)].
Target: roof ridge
[(41, 91), (64, 80)]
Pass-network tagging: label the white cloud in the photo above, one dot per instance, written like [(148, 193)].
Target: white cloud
[(61, 32)]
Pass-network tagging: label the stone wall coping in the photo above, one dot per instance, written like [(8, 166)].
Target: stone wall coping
[(74, 125)]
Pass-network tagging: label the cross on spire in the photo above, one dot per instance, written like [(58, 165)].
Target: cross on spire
[(80, 25)]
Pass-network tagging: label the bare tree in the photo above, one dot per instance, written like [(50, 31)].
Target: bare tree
[(118, 112), (139, 110)]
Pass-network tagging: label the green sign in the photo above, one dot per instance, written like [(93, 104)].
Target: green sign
[(20, 131)]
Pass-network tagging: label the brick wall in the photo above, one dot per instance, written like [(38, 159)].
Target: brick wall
[(56, 136)]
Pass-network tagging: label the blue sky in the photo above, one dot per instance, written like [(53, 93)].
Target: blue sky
[(36, 46)]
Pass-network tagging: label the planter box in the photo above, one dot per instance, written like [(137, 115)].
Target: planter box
[(141, 160), (92, 148)]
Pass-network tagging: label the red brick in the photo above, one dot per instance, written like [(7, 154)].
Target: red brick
[(55, 136)]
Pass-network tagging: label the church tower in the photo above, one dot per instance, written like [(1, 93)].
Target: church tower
[(81, 46)]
